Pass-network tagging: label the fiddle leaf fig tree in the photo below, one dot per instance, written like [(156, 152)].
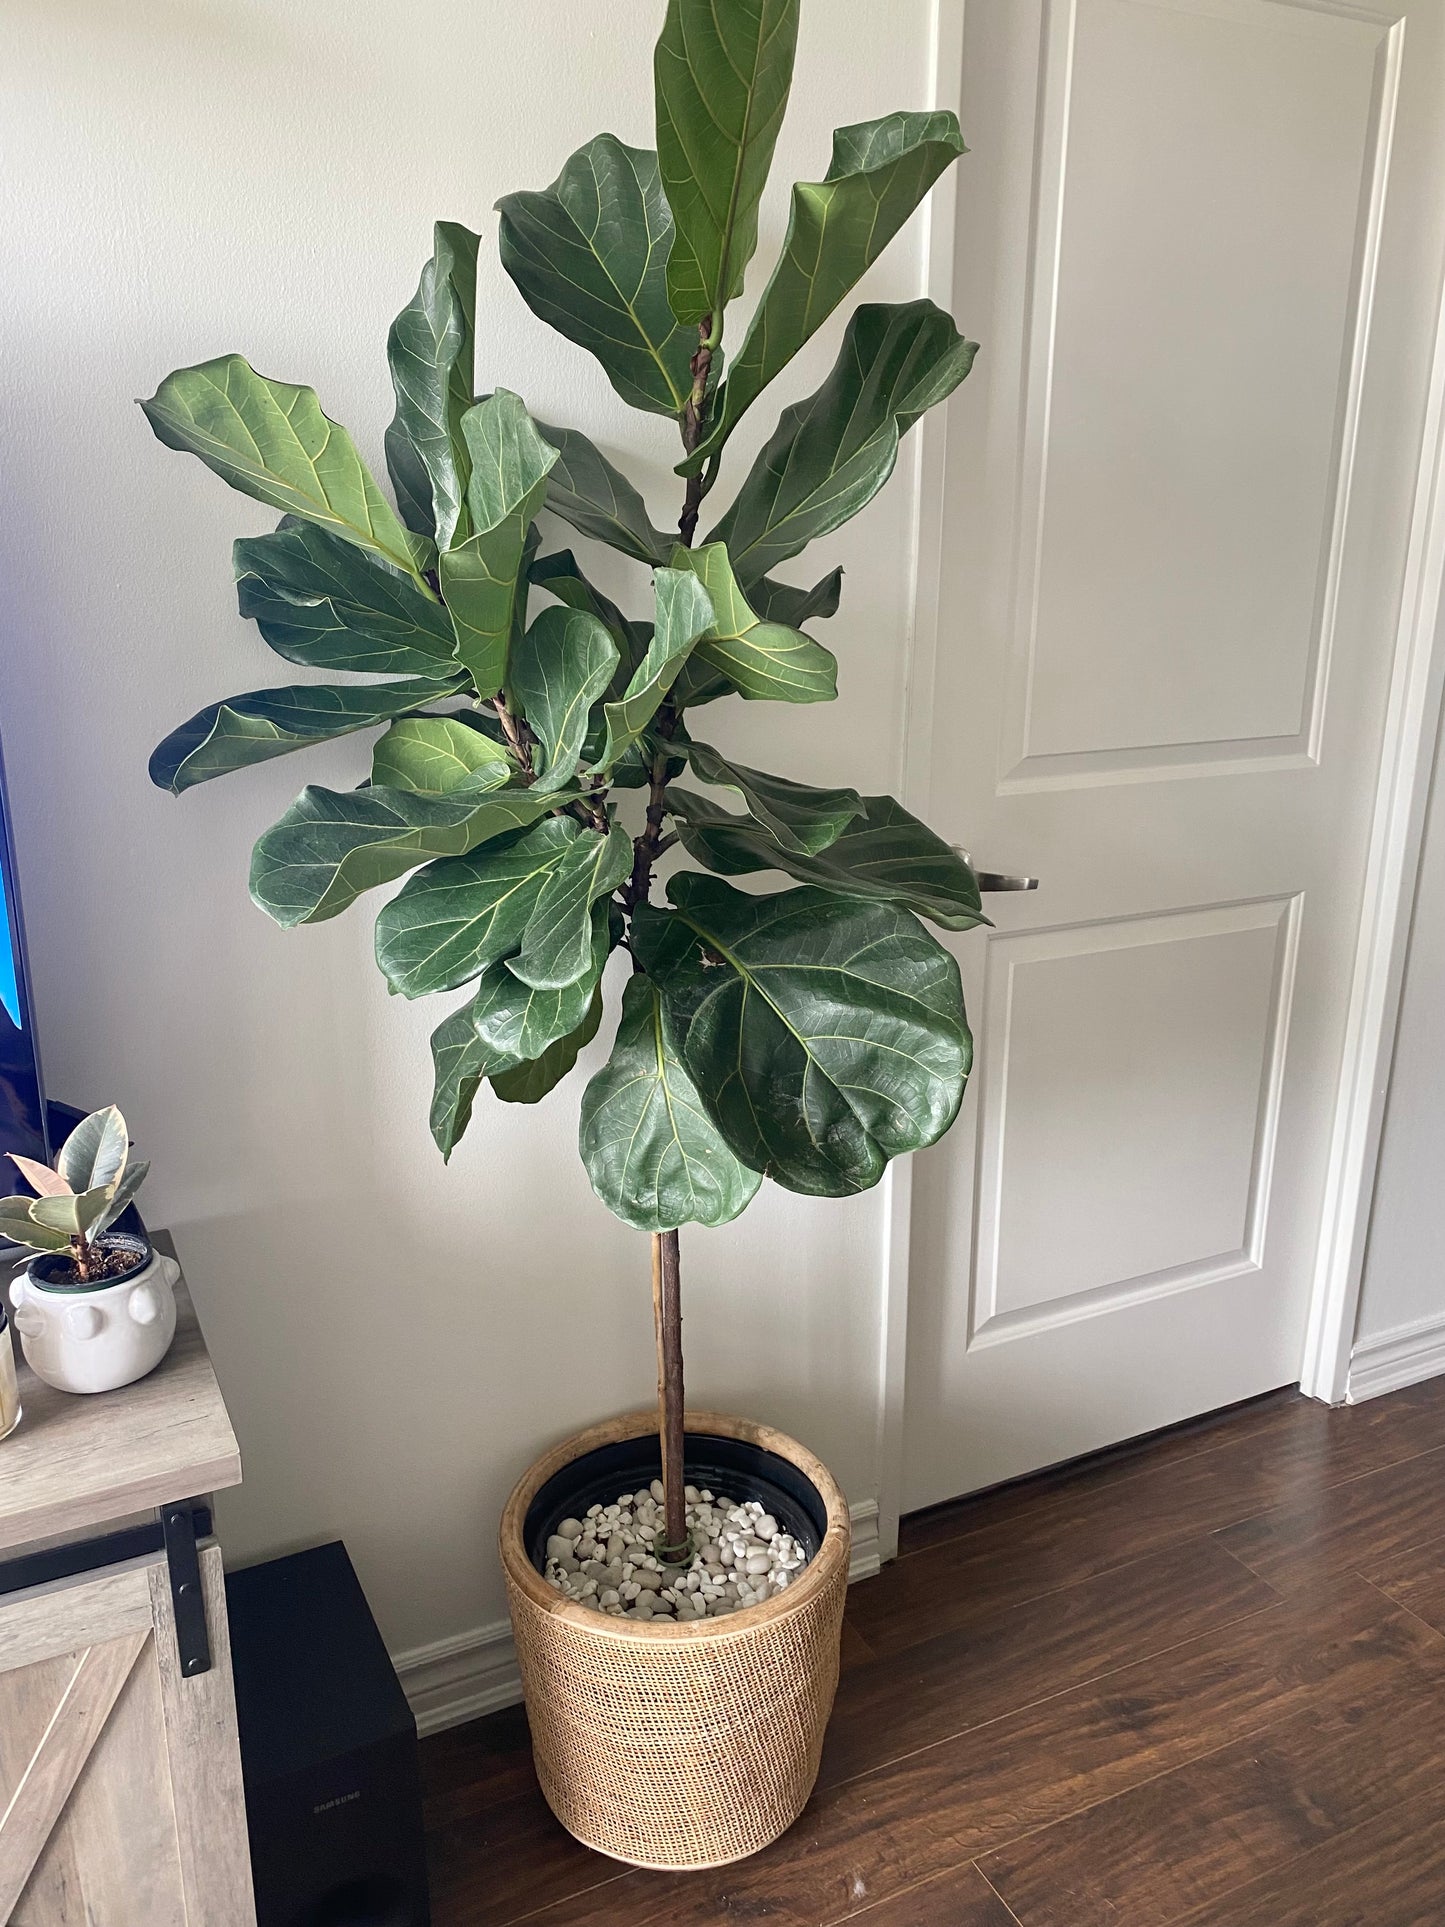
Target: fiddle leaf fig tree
[(539, 749)]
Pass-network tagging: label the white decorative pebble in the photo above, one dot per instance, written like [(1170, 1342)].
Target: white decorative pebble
[(740, 1558)]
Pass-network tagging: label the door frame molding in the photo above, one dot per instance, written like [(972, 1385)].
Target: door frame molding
[(1392, 872), (915, 742), (1413, 717)]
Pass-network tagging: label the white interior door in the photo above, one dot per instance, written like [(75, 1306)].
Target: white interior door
[(1201, 242)]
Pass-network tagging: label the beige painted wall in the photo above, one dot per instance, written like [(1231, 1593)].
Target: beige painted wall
[(184, 177)]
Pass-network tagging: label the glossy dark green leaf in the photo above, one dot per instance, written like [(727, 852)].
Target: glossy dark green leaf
[(333, 844), (530, 1081), (825, 1036), (328, 604), (830, 454), (698, 682), (430, 349), (438, 755), (561, 575), (455, 1078), (837, 228), (684, 612), (796, 816), (453, 918), (885, 855), (634, 772), (263, 723), (782, 602), (271, 440), (655, 1157), (597, 499), (557, 941), (563, 665), (762, 661), (589, 255), (505, 1028), (721, 79), (482, 579)]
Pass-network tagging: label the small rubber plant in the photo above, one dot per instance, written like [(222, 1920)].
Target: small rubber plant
[(528, 776), (78, 1201)]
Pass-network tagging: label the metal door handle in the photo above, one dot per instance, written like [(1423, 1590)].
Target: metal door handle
[(990, 880)]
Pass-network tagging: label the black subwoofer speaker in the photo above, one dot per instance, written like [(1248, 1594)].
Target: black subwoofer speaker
[(328, 1750)]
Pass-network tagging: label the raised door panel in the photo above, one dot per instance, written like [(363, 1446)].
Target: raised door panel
[(1131, 1073), (1208, 191)]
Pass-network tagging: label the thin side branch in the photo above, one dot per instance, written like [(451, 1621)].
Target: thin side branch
[(518, 737), (694, 420)]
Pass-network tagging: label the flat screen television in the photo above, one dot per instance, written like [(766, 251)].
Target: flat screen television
[(22, 1102)]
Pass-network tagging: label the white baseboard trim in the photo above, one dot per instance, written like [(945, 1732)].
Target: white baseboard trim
[(1395, 1359), (866, 1562), (454, 1680)]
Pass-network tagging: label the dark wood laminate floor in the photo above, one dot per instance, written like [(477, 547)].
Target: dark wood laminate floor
[(1200, 1679)]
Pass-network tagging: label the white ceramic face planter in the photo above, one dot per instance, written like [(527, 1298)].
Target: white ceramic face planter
[(83, 1338)]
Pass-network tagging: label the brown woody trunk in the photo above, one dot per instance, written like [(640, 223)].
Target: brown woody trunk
[(667, 1317)]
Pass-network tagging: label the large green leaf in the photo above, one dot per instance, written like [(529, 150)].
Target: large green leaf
[(95, 1153), (263, 723), (529, 1082), (763, 661), (698, 682), (560, 575), (557, 942), (455, 1078), (506, 1029), (438, 755), (721, 78), (782, 602), (885, 855), (598, 500), (75, 1214), (655, 1157), (562, 665), (684, 612), (480, 580), (837, 228), (430, 349), (333, 844), (825, 1036), (270, 440), (331, 605), (122, 1195), (453, 918), (589, 255), (830, 454), (797, 816), (17, 1224)]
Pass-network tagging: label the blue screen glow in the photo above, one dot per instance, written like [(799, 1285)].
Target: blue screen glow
[(9, 976)]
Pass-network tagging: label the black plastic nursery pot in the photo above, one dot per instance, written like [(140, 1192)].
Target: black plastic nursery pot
[(678, 1745), (55, 1270)]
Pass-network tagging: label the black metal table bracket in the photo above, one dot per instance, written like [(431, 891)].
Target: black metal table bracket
[(193, 1641)]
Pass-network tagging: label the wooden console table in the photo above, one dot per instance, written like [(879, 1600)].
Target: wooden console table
[(120, 1776)]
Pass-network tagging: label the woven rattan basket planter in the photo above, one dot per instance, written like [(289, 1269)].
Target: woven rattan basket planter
[(679, 1746)]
